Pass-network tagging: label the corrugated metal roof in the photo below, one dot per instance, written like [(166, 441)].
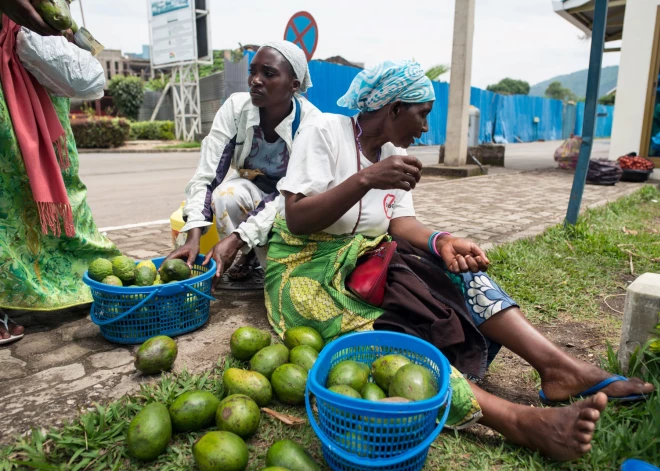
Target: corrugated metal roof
[(581, 14)]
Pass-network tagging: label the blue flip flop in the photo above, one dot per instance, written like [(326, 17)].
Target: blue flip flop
[(638, 465), (594, 389)]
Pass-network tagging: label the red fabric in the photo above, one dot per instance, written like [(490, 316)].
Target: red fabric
[(38, 130), (368, 279)]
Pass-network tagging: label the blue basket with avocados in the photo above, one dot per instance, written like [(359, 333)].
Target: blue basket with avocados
[(133, 314), (360, 435)]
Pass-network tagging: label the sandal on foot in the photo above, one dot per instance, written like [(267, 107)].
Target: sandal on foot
[(243, 271), (595, 389), (637, 465), (12, 338)]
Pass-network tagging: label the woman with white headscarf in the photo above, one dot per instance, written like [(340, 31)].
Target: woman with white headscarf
[(252, 133), (348, 190)]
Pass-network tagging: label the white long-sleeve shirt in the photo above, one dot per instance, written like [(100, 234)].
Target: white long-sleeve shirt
[(227, 146)]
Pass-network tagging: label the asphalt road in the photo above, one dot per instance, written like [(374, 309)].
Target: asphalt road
[(135, 188)]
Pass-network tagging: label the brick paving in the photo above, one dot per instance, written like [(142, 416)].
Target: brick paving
[(491, 209)]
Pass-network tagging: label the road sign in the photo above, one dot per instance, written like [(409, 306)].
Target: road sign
[(303, 31), (179, 31)]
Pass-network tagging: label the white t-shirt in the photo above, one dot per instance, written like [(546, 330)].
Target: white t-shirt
[(323, 157)]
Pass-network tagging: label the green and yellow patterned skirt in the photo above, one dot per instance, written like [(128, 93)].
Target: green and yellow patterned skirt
[(305, 285), (37, 271)]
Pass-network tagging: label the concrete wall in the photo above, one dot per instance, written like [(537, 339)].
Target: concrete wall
[(636, 49), (212, 91)]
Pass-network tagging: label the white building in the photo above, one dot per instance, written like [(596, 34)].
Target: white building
[(637, 24)]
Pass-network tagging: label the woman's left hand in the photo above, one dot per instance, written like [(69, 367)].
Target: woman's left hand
[(461, 255)]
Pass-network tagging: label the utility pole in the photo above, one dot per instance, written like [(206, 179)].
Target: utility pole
[(459, 85)]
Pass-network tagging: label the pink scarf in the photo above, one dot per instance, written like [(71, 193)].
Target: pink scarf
[(38, 130)]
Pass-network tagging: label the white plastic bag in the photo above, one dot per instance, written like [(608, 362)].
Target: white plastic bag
[(63, 68)]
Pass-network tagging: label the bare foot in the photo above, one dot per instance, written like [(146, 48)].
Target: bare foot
[(569, 380), (11, 328), (562, 433)]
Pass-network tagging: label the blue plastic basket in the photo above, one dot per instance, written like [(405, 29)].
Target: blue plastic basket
[(134, 314), (365, 435)]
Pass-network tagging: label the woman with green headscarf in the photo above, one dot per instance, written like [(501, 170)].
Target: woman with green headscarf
[(347, 189)]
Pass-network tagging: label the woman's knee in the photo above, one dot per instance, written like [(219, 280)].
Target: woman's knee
[(230, 197)]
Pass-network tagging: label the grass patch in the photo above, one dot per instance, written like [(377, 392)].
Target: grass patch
[(565, 270), (182, 145), (571, 269)]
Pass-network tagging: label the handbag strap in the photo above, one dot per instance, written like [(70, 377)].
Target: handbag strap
[(359, 167)]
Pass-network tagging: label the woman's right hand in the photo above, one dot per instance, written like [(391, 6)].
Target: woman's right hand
[(189, 251), (224, 253), (396, 172), (23, 13)]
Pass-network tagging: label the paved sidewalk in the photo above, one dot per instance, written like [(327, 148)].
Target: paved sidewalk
[(64, 365), (490, 209)]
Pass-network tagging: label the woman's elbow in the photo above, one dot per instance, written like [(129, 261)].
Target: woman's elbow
[(295, 226)]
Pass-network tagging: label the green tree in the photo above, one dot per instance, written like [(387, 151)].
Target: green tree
[(127, 94), (557, 91), (436, 71), (509, 86), (219, 61), (158, 84), (607, 99), (218, 64)]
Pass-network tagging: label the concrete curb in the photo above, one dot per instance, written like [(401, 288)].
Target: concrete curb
[(131, 151)]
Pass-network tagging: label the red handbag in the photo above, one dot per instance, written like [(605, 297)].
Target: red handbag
[(367, 281)]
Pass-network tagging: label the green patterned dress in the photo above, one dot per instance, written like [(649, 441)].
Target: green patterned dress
[(305, 285), (37, 271)]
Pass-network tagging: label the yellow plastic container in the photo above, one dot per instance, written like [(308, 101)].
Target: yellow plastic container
[(178, 239)]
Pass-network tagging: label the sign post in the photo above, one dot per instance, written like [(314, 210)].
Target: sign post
[(590, 108), (303, 31), (180, 41)]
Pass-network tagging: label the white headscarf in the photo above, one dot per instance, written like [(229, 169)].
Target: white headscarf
[(296, 58)]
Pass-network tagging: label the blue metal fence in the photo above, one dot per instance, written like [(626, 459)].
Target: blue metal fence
[(487, 103), (331, 81), (504, 119), (604, 120), (437, 118), (521, 118)]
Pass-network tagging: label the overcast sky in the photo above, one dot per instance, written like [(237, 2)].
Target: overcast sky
[(522, 39)]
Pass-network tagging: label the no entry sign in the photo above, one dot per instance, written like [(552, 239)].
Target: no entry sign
[(303, 31)]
